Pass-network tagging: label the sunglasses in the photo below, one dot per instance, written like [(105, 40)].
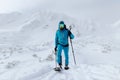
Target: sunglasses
[(61, 26)]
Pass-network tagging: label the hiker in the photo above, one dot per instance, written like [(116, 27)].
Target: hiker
[(62, 43)]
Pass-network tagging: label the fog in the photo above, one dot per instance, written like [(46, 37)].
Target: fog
[(103, 11)]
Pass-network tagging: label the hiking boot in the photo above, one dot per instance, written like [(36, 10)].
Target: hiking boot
[(66, 67), (60, 66)]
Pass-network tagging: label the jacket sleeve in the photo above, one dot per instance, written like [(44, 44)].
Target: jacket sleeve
[(70, 35), (56, 39)]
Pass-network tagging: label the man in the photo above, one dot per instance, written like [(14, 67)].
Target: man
[(61, 43)]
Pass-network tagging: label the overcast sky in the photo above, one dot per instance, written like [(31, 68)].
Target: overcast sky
[(106, 11)]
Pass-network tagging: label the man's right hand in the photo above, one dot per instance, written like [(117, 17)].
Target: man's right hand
[(55, 48)]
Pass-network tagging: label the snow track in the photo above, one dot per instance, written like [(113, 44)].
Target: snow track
[(71, 74)]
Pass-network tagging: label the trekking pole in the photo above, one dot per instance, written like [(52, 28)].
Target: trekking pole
[(72, 48)]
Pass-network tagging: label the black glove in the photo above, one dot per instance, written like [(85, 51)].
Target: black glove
[(55, 48), (69, 32)]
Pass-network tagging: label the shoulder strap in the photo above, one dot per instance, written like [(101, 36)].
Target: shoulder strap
[(69, 32)]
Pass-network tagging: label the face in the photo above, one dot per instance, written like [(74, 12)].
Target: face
[(61, 26)]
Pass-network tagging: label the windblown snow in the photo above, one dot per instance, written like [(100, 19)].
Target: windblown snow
[(27, 48)]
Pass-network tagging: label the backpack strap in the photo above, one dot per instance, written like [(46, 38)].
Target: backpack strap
[(69, 32)]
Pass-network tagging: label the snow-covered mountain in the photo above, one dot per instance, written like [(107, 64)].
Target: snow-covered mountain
[(26, 51), (32, 25)]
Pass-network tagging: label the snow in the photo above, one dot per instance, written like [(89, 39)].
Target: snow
[(27, 49)]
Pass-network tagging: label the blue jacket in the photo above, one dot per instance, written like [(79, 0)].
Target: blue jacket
[(62, 37)]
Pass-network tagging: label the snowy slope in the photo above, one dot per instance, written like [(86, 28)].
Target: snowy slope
[(27, 54), (12, 21)]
